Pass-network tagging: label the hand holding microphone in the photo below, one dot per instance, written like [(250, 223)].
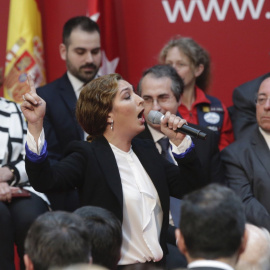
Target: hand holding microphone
[(155, 117)]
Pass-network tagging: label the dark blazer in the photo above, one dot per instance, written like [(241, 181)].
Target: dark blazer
[(60, 124), (247, 164), (92, 168), (208, 153), (244, 109)]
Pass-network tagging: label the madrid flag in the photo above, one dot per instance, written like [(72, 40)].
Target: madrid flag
[(102, 12), (24, 48)]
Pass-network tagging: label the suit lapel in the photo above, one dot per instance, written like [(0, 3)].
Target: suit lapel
[(107, 162), (68, 95), (261, 149)]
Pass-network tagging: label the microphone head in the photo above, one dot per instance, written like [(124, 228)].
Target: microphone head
[(155, 117)]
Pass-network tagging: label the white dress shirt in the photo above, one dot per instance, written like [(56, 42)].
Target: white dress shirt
[(266, 136)]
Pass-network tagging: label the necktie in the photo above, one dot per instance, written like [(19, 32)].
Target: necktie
[(175, 204), (164, 143)]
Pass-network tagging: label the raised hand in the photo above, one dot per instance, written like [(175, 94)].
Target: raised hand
[(33, 109)]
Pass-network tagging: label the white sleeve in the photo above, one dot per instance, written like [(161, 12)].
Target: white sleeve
[(32, 143)]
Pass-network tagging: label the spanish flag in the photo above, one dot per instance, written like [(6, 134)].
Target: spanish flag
[(24, 49)]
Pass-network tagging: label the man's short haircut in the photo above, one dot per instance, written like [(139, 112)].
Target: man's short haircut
[(105, 235), (161, 71), (212, 222), (82, 22), (57, 239)]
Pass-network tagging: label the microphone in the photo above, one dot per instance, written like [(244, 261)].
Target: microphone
[(155, 117)]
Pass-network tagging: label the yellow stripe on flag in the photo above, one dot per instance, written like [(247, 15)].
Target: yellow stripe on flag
[(24, 49)]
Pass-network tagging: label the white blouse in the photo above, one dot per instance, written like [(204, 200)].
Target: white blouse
[(142, 213)]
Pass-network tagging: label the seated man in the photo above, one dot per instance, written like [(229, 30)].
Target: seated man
[(212, 228), (56, 239), (243, 109), (105, 235), (257, 253), (247, 163)]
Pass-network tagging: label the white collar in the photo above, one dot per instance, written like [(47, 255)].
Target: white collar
[(211, 263), (157, 135), (266, 136)]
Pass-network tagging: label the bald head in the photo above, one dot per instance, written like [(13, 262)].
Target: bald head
[(257, 253)]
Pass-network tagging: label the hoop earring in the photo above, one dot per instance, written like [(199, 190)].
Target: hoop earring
[(112, 125)]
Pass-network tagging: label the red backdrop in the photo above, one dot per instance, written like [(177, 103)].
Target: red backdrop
[(235, 32)]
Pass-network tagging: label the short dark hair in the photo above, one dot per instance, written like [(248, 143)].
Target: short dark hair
[(105, 235), (160, 71), (57, 239), (82, 22), (212, 222)]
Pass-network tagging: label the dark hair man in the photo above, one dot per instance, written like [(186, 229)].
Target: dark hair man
[(212, 228), (105, 235), (56, 239), (82, 53)]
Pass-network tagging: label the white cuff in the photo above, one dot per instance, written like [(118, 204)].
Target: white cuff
[(182, 147), (32, 143)]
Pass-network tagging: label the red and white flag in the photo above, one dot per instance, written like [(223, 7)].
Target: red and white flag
[(101, 12)]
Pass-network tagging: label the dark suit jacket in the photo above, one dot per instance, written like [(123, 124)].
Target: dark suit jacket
[(244, 109), (247, 164), (93, 169), (60, 124), (211, 169)]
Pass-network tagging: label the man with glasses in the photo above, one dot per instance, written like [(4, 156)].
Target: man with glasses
[(243, 111), (161, 88), (247, 163)]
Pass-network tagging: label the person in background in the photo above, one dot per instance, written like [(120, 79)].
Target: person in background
[(55, 239), (161, 88), (192, 63), (80, 49), (257, 253), (18, 207), (105, 235), (247, 163), (113, 170), (244, 108), (212, 231)]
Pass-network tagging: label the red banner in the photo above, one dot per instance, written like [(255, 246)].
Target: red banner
[(235, 32)]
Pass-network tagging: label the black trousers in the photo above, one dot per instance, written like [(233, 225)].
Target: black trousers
[(15, 220)]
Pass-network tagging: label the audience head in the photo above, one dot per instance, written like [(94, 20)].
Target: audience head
[(263, 105), (257, 253), (161, 88), (191, 61), (105, 235), (56, 239), (212, 225), (81, 48)]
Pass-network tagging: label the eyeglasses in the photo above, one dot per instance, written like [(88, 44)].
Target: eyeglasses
[(164, 99), (261, 100)]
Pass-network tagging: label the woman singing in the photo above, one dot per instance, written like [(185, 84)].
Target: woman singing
[(112, 170)]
